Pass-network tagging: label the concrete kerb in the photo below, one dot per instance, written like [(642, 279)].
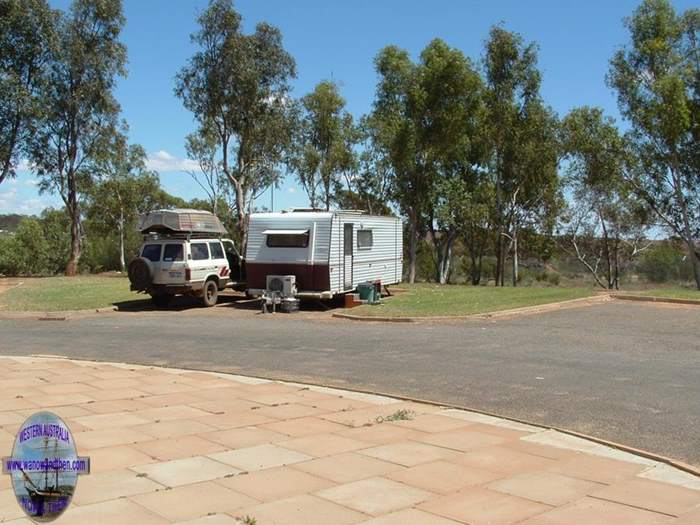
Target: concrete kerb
[(488, 315), (654, 299), (380, 398)]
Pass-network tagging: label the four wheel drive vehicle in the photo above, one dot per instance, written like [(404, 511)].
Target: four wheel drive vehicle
[(173, 262)]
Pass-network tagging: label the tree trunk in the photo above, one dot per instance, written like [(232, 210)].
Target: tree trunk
[(499, 255), (695, 258), (75, 248), (75, 237), (7, 161), (515, 255), (412, 250), (242, 223), (444, 258), (122, 260)]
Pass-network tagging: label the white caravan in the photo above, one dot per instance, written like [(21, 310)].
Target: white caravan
[(326, 252)]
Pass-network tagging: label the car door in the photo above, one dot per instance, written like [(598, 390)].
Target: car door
[(172, 265), (235, 262), (200, 263), (151, 252), (218, 259)]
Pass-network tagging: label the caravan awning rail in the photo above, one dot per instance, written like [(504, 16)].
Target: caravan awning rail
[(285, 232)]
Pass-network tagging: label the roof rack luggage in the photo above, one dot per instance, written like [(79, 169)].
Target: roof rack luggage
[(180, 221)]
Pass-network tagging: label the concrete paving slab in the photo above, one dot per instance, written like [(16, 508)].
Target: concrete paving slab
[(205, 456)]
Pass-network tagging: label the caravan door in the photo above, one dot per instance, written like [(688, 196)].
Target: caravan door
[(347, 256)]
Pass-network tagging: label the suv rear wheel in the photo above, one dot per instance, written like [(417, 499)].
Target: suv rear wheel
[(210, 293)]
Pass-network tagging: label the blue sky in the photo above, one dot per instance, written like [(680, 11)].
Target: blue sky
[(338, 40)]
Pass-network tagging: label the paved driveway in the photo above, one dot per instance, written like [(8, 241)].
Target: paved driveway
[(623, 371)]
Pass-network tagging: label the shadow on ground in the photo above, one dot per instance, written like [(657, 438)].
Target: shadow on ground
[(230, 300)]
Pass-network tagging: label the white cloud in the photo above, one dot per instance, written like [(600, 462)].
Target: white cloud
[(291, 190), (162, 161), (24, 166), (25, 201)]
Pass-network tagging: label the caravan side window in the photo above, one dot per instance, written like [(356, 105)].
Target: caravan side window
[(364, 239), (288, 240)]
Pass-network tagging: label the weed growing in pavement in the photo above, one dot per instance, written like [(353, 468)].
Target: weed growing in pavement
[(399, 415), (247, 520)]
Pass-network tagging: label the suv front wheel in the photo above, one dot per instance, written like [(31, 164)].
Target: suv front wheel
[(210, 293)]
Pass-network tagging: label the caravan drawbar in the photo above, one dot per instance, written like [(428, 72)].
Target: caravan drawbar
[(327, 252)]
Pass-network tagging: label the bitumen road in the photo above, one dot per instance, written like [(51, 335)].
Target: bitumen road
[(622, 371)]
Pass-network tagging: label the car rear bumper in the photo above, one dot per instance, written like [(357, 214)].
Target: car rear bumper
[(171, 289)]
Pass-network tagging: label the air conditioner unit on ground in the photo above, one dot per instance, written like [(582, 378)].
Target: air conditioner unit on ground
[(285, 285)]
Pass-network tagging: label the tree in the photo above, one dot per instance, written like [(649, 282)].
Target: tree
[(323, 144), (201, 146), (523, 140), (80, 117), (125, 189), (27, 38), (448, 107), (657, 79), (394, 134), (606, 227), (237, 87), (420, 128)]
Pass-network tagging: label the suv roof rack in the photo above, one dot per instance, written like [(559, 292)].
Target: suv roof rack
[(185, 236)]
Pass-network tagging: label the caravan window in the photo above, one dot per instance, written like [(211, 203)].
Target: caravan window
[(364, 239), (291, 239)]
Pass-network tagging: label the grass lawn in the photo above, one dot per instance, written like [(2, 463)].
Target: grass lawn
[(52, 294), (675, 292), (422, 300)]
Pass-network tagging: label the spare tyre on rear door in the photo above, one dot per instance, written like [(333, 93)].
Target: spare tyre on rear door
[(140, 274)]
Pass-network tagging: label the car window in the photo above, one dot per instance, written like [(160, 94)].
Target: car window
[(364, 239), (200, 251), (217, 252), (151, 252), (173, 252)]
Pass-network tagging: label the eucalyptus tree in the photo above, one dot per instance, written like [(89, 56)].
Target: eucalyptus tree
[(657, 79), (80, 116), (522, 134), (201, 146), (324, 138), (237, 87), (27, 39), (125, 188), (606, 226), (448, 108), (395, 135)]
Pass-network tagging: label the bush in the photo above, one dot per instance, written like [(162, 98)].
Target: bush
[(662, 263), (38, 247)]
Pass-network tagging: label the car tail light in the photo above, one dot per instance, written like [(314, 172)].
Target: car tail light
[(188, 274)]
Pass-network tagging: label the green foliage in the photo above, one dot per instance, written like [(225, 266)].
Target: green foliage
[(323, 144), (27, 40), (80, 115), (662, 263), (605, 222), (37, 247), (656, 79), (237, 87)]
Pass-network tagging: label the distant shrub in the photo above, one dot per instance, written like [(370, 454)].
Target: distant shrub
[(661, 263)]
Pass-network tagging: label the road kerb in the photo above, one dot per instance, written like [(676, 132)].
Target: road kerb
[(527, 310)]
